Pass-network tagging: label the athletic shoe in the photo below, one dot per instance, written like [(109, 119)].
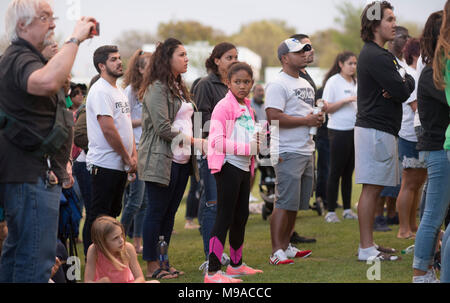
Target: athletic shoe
[(296, 239), (225, 260), (348, 214), (294, 252), (429, 277), (191, 225), (242, 270), (220, 277), (331, 217), (380, 224), (280, 258)]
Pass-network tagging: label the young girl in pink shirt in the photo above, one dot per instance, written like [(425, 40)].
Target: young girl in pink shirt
[(232, 146)]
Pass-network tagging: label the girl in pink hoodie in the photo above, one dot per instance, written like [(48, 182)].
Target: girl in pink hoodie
[(233, 143)]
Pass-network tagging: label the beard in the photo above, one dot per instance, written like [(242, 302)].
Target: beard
[(48, 39), (114, 74)]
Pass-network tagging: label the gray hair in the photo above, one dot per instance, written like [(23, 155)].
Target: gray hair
[(20, 11)]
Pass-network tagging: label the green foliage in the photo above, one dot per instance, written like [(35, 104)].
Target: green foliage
[(132, 40), (189, 31)]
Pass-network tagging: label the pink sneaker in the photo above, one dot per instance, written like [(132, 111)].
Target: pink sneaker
[(220, 277), (242, 270)]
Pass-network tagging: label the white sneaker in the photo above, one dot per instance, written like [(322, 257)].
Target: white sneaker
[(348, 214), (279, 257), (225, 260), (252, 198), (294, 252), (429, 277), (331, 217), (204, 267)]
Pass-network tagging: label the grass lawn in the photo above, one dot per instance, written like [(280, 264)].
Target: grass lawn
[(333, 259)]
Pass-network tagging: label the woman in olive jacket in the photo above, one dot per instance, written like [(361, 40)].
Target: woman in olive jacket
[(166, 149)]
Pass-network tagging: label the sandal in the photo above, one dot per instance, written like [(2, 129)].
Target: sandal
[(161, 274), (386, 250), (387, 257), (174, 271)]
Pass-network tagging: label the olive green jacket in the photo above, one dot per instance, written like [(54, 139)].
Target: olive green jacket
[(155, 155)]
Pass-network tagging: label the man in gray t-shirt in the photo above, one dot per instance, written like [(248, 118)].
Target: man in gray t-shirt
[(289, 107)]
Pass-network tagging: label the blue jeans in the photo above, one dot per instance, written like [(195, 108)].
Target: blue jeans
[(323, 166), (437, 202), (135, 200), (207, 209), (84, 182), (162, 206), (32, 218), (445, 256)]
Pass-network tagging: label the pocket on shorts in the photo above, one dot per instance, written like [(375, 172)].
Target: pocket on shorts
[(383, 147)]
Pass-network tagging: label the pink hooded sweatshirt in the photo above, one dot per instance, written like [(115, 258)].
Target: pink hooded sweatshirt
[(221, 129)]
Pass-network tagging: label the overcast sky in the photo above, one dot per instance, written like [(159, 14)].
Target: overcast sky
[(116, 16)]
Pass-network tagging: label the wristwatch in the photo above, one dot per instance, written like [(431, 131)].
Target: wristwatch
[(73, 40)]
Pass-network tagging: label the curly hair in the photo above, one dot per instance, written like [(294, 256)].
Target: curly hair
[(133, 76), (160, 69), (430, 37), (442, 53), (368, 25)]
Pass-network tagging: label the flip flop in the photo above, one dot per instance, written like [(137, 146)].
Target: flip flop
[(161, 274), (386, 250), (174, 271)]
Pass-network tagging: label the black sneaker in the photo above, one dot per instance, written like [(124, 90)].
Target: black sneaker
[(393, 220), (296, 239), (380, 224)]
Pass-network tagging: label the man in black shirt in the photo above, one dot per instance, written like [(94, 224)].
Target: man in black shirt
[(382, 87), (31, 101)]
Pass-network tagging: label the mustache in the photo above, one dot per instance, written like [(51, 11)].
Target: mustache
[(47, 40)]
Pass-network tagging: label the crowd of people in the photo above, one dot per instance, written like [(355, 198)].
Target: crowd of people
[(130, 150)]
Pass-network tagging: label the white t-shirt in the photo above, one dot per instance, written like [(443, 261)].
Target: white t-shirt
[(337, 89), (183, 123), (136, 112), (106, 100), (419, 68), (294, 97), (407, 130), (244, 127)]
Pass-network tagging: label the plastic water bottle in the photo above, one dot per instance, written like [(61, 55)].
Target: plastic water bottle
[(316, 110), (408, 250), (162, 253)]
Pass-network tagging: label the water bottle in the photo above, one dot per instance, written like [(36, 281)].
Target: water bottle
[(408, 250), (162, 253), (316, 110)]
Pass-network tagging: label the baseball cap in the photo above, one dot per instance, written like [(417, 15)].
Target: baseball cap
[(292, 45)]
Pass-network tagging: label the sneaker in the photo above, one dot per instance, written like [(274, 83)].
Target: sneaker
[(191, 225), (220, 277), (294, 252), (204, 267), (252, 198), (225, 260), (393, 220), (296, 239), (242, 270), (279, 258), (348, 214), (380, 224), (429, 277), (331, 217)]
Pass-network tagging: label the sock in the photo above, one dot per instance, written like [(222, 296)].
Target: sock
[(365, 253)]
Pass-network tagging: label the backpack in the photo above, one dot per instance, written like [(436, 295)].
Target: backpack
[(69, 219)]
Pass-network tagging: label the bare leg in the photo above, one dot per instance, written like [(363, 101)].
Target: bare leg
[(279, 228), (366, 213)]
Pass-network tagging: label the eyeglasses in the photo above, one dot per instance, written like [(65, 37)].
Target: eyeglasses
[(45, 19)]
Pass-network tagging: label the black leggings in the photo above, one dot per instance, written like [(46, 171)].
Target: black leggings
[(233, 191), (342, 164)]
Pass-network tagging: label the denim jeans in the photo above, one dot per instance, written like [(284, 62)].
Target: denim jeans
[(323, 166), (445, 256), (193, 199), (162, 206), (32, 218), (437, 202), (84, 182), (207, 210), (135, 200)]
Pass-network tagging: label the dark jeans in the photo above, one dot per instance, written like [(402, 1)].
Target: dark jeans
[(323, 163), (108, 186), (193, 199), (84, 181), (233, 191), (342, 165), (163, 203)]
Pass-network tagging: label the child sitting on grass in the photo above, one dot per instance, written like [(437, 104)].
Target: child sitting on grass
[(110, 259)]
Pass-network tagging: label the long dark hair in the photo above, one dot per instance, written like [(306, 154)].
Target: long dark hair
[(160, 69), (442, 49), (217, 53), (336, 69), (132, 75), (430, 37)]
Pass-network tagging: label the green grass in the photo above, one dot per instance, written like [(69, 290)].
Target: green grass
[(333, 259)]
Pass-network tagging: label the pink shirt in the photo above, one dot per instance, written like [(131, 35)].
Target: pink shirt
[(221, 129), (105, 268)]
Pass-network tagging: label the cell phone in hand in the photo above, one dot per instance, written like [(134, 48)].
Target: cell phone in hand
[(96, 30)]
